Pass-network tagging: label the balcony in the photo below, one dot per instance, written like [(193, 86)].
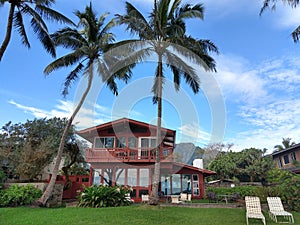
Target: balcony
[(126, 155)]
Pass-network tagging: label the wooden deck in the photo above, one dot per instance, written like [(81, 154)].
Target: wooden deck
[(126, 155)]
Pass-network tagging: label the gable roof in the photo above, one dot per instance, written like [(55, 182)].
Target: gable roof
[(288, 150), (92, 131), (196, 169)]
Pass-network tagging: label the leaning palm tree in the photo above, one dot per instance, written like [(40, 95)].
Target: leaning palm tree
[(36, 10), (164, 34), (88, 41), (293, 3)]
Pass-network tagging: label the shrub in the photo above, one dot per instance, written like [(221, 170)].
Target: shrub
[(17, 195), (287, 186), (103, 196)]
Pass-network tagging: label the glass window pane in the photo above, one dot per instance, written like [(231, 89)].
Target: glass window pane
[(132, 175), (109, 142), (120, 177), (165, 185), (121, 142), (97, 176), (99, 142), (144, 177), (286, 159), (176, 189), (186, 183), (132, 142)]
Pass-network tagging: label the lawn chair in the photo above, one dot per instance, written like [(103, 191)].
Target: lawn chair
[(212, 197), (145, 198), (276, 209), (175, 199), (185, 197), (253, 209)]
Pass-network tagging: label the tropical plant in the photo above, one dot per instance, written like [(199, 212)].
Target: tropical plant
[(103, 196), (293, 3), (286, 143), (36, 10), (89, 40), (164, 35), (17, 195)]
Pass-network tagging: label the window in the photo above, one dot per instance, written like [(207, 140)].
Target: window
[(186, 183), (293, 156), (144, 177), (165, 185), (104, 142), (286, 159), (121, 142), (132, 175), (132, 142), (196, 190), (97, 176), (176, 189), (120, 176), (279, 163)]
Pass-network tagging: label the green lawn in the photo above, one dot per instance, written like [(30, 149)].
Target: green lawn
[(137, 214)]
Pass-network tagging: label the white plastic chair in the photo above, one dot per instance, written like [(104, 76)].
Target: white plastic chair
[(175, 199), (276, 209), (145, 198), (253, 209), (185, 197)]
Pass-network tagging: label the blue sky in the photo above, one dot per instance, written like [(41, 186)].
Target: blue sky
[(252, 101)]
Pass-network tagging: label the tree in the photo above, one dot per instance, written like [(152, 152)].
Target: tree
[(89, 40), (223, 165), (211, 152), (286, 143), (293, 3), (28, 147), (36, 10), (164, 35)]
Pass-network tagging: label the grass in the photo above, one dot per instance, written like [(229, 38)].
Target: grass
[(131, 215)]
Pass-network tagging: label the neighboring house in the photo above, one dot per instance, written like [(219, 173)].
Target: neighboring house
[(123, 153), (288, 158)]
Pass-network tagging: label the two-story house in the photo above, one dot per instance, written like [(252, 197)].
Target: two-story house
[(123, 153), (288, 158)]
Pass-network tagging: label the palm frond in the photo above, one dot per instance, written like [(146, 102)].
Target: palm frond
[(64, 61), (188, 11), (40, 28), (296, 34), (180, 68), (18, 23), (52, 15), (135, 22), (72, 77), (68, 38)]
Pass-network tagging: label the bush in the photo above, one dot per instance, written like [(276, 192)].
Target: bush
[(103, 196), (287, 187), (17, 195)]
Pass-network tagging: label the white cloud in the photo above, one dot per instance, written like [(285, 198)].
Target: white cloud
[(86, 117), (193, 133)]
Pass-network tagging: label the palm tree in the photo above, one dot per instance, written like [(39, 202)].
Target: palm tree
[(164, 34), (36, 10), (293, 3), (88, 41), (286, 143)]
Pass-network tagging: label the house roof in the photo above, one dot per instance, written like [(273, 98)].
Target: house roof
[(196, 169), (293, 148), (92, 131)]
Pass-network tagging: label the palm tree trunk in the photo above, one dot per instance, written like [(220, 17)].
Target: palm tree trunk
[(8, 30), (154, 199), (43, 200)]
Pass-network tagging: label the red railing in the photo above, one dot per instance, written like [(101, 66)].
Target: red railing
[(125, 154)]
